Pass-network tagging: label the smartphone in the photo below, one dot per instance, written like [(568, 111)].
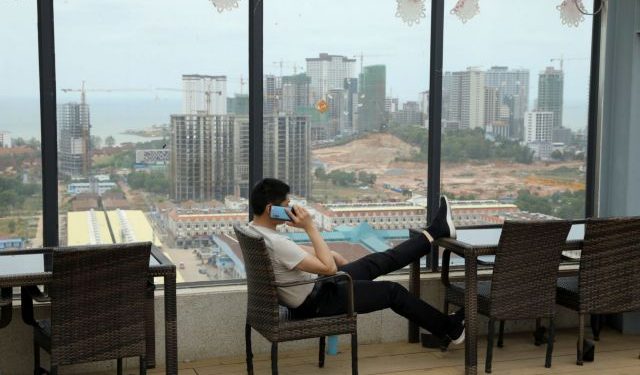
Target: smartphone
[(278, 212)]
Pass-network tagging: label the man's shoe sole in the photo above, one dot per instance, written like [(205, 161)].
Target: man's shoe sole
[(452, 228), (460, 339)]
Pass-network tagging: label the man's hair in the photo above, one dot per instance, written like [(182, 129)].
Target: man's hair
[(269, 190)]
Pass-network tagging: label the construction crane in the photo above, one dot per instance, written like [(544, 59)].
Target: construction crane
[(361, 56), (83, 91), (207, 94), (293, 64), (562, 60), (242, 83)]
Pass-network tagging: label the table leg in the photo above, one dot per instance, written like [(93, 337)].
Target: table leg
[(170, 328), (26, 307), (150, 323), (6, 312), (471, 313), (414, 288)]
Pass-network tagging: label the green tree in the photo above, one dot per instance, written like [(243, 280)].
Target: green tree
[(557, 155), (341, 178), (153, 182), (367, 178), (533, 203), (95, 142), (109, 141), (320, 174)]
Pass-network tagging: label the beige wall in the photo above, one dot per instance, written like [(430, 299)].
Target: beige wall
[(211, 323)]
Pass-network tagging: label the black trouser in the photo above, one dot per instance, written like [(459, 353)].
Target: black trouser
[(330, 298)]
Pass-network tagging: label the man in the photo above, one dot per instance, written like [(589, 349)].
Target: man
[(291, 262)]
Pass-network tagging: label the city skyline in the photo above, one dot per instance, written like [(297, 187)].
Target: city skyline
[(477, 43)]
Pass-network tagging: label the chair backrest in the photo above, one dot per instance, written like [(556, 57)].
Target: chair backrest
[(609, 277), (97, 302), (262, 298), (526, 269)]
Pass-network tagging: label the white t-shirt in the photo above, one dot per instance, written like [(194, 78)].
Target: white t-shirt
[(285, 256)]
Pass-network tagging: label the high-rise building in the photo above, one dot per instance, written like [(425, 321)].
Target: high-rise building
[(238, 105), (295, 94), (5, 139), (191, 167), (410, 114), (391, 105), (74, 134), (328, 72), (373, 87), (423, 99), (338, 101), (204, 94), (241, 156), (539, 133), (550, 94), (272, 94), (287, 152), (513, 91), (466, 98), (351, 107), (209, 156)]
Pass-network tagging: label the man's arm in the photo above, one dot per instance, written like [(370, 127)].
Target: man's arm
[(339, 259), (322, 262)]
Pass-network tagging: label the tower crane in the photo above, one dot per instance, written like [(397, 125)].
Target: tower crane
[(293, 64), (207, 94), (361, 56), (83, 91), (562, 60)]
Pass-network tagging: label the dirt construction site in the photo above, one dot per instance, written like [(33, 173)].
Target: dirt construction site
[(378, 153)]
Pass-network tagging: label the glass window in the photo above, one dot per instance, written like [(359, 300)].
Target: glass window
[(514, 113), (345, 106), (153, 117), (20, 154)]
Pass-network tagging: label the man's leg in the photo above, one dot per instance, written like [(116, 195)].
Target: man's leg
[(372, 296), (376, 264)]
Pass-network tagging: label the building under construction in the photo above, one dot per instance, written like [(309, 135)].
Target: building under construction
[(74, 134), (209, 156)]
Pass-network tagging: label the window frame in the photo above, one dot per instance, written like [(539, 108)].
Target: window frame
[(48, 115)]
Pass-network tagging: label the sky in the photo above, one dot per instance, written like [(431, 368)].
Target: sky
[(148, 44)]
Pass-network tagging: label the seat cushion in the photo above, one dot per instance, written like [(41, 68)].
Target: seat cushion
[(568, 293)]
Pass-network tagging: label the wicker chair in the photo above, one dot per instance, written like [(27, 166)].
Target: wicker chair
[(97, 306), (608, 279), (523, 282), (274, 322)]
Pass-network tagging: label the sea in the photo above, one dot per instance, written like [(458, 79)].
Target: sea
[(109, 117), (114, 116)]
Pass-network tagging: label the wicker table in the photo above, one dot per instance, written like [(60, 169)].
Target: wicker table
[(483, 242), (24, 268)]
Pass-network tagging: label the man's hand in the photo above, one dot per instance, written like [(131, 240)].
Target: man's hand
[(300, 218)]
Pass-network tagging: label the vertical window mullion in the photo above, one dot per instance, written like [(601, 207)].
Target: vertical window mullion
[(48, 127), (256, 32), (592, 121), (435, 116)]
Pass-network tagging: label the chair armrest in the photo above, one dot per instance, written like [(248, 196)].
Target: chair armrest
[(454, 246), (336, 276)]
